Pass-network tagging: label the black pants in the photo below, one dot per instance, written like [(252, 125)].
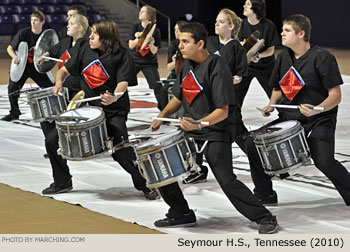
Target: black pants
[(262, 75), (219, 158), (30, 72), (116, 128), (152, 76), (321, 143)]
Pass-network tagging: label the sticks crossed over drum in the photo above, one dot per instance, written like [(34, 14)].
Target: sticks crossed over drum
[(178, 120)]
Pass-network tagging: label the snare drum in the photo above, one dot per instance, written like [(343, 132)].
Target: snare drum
[(282, 147), (166, 159), (44, 105), (85, 139)]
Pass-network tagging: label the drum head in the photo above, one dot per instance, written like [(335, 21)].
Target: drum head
[(17, 70), (45, 42), (278, 129), (88, 112), (162, 140)]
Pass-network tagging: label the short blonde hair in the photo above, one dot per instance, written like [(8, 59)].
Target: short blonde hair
[(81, 21), (234, 20)]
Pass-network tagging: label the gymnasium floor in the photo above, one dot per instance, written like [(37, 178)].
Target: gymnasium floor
[(307, 201)]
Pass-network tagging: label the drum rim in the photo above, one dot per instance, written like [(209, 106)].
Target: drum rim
[(41, 93), (154, 149), (176, 135), (265, 138), (100, 120)]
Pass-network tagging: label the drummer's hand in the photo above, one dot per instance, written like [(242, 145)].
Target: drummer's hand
[(138, 34), (174, 58), (306, 110), (40, 60), (57, 88), (186, 125), (155, 125), (15, 60), (267, 110), (255, 58), (108, 98)]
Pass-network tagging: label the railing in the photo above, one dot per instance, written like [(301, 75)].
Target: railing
[(160, 13)]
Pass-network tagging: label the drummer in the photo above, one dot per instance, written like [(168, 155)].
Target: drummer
[(77, 27), (29, 35), (204, 88), (74, 9), (106, 67), (67, 47), (319, 71)]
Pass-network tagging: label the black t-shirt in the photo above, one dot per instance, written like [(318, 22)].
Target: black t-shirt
[(25, 35), (319, 70), (119, 66), (149, 58), (215, 77), (268, 32), (232, 52)]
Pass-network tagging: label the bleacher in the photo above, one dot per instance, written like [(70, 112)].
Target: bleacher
[(15, 14)]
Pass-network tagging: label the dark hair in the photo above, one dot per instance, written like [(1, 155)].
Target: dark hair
[(152, 13), (109, 35), (38, 14), (79, 8), (197, 30), (300, 23), (180, 24), (259, 8)]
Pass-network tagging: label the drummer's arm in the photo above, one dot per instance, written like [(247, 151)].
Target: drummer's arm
[(173, 106), (12, 53), (276, 98), (108, 98), (60, 76), (152, 47)]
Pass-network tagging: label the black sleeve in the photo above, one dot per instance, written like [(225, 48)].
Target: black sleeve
[(275, 75), (221, 84), (176, 87), (126, 69), (328, 70), (132, 31), (241, 36), (272, 37), (18, 38), (171, 51), (62, 33), (157, 38), (74, 64), (241, 66)]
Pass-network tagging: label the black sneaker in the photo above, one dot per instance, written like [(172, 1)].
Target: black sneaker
[(187, 220), (268, 225), (268, 200), (196, 177), (10, 117), (150, 194), (53, 189)]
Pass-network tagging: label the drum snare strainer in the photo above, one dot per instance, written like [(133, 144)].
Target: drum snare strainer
[(282, 147)]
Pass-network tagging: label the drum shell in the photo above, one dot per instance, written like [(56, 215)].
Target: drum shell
[(283, 153), (44, 105), (166, 162), (83, 140)]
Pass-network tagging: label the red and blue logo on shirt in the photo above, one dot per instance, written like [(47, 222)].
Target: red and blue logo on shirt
[(95, 74), (190, 87), (291, 83)]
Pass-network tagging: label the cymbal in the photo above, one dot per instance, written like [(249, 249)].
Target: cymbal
[(17, 70)]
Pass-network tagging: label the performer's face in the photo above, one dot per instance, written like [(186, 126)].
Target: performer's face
[(289, 37), (70, 13), (143, 16), (177, 31), (247, 8), (73, 28), (94, 41), (222, 25), (37, 25), (187, 46)]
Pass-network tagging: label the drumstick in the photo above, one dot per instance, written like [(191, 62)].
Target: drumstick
[(295, 107), (178, 120), (96, 97), (54, 59)]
